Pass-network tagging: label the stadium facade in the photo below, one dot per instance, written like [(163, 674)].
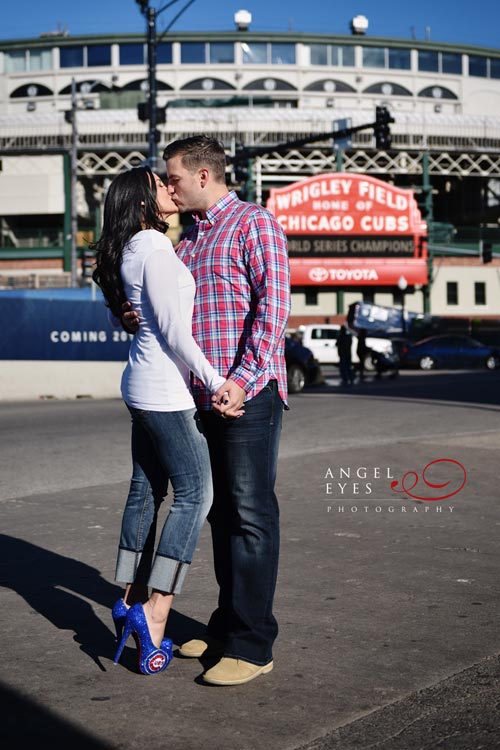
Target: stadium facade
[(259, 89)]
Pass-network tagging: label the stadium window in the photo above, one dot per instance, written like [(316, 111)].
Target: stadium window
[(98, 55), (346, 55), (311, 297), (479, 293), (452, 292), (342, 55), (15, 62), (254, 53), (478, 66), (39, 59), (132, 54), (193, 52), (164, 53), (439, 62), (494, 68), (71, 57), (451, 63), (399, 59), (428, 61), (222, 52), (283, 54), (318, 54), (373, 57)]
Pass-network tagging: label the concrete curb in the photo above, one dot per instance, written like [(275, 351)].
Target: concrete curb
[(27, 380)]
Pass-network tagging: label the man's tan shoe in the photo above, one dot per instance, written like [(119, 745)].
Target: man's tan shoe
[(201, 647), (230, 671)]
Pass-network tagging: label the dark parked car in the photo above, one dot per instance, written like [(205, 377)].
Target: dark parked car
[(301, 367), (450, 351)]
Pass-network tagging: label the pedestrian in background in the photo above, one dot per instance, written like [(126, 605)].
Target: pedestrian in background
[(344, 347), (362, 351)]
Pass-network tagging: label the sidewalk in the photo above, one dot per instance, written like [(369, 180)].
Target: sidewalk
[(388, 619)]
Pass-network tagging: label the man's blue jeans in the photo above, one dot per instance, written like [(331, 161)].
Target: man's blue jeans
[(167, 447), (245, 525)]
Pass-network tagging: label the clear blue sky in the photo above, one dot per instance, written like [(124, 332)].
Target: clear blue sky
[(448, 20)]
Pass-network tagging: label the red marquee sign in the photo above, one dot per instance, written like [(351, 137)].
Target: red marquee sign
[(340, 204), (357, 271)]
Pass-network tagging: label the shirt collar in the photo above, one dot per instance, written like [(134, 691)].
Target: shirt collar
[(216, 210)]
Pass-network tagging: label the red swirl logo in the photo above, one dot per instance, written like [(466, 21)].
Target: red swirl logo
[(412, 481), (156, 662)]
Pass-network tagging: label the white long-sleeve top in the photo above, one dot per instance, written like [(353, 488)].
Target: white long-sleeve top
[(163, 351)]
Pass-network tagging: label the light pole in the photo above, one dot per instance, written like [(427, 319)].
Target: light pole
[(74, 208), (152, 147), (151, 15), (71, 117), (402, 286)]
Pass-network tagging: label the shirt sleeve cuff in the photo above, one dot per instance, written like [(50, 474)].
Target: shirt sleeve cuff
[(243, 378), (217, 383)]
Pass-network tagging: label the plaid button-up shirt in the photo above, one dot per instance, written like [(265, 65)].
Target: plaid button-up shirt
[(238, 257)]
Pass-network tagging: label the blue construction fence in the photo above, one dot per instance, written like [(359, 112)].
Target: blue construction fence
[(59, 324)]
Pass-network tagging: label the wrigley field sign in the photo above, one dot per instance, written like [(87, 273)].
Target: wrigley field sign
[(348, 214)]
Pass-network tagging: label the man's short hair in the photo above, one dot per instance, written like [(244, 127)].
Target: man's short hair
[(199, 151)]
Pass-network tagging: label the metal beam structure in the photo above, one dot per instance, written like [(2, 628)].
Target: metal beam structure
[(296, 164)]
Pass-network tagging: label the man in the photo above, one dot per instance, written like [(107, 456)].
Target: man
[(362, 351), (237, 253), (344, 347)]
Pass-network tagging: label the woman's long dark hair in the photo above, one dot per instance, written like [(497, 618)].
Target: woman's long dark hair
[(130, 206)]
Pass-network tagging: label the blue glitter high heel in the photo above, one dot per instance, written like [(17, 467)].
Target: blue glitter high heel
[(150, 658), (119, 613)]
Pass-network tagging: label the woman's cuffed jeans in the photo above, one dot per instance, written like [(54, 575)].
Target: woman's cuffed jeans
[(168, 448), (244, 520)]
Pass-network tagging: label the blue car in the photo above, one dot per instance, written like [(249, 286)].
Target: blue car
[(301, 367), (449, 351)]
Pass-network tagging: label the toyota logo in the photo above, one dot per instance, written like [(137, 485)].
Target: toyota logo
[(318, 274)]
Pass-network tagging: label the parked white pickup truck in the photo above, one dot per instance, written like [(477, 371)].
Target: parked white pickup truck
[(321, 339)]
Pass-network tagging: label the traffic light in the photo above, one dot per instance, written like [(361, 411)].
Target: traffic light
[(487, 252), (161, 115), (68, 115), (240, 173), (143, 4), (143, 113), (383, 138)]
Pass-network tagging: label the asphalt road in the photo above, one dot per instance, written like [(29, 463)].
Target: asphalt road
[(388, 605), (83, 443)]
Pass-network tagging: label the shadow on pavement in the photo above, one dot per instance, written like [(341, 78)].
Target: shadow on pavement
[(53, 585), (471, 387), (27, 724)]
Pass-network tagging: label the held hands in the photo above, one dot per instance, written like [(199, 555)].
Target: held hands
[(228, 400), (129, 318)]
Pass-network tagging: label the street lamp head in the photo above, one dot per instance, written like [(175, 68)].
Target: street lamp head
[(359, 25), (242, 19)]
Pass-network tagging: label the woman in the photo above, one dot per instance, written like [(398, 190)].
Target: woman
[(135, 261)]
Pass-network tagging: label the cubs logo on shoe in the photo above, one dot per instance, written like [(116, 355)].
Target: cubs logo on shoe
[(156, 662), (150, 658)]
